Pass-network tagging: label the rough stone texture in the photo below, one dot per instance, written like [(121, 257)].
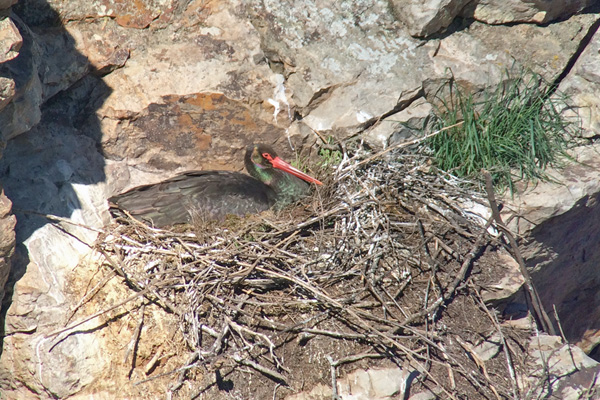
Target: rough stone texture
[(580, 180), (560, 217), (207, 128), (7, 242), (103, 53), (539, 12), (544, 49), (426, 18), (510, 283), (488, 348), (400, 127), (60, 64), (215, 98), (375, 384), (561, 247), (371, 384), (582, 85), (10, 40), (4, 4), (378, 69), (548, 353), (324, 83), (21, 88), (68, 184), (423, 396), (129, 14), (561, 244)]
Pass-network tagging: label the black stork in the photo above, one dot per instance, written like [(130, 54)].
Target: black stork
[(212, 195)]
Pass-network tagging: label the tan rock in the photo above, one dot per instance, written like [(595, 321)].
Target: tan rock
[(10, 40), (4, 4), (7, 91), (371, 384), (7, 241), (539, 12), (551, 357), (104, 52), (582, 85)]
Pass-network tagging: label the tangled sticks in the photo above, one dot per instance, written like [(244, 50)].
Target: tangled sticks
[(371, 264)]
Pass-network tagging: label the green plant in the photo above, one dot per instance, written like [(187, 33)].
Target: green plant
[(515, 131), (300, 162), (330, 156)]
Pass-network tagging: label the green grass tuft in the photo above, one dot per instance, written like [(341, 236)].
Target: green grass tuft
[(515, 131)]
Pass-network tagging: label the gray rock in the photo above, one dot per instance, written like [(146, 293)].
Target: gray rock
[(375, 384), (423, 396), (371, 384), (424, 18), (4, 4), (550, 357), (363, 79), (489, 348), (22, 89), (399, 127)]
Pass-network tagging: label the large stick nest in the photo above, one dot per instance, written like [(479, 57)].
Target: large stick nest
[(372, 262)]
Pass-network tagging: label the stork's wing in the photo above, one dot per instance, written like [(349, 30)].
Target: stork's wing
[(206, 194)]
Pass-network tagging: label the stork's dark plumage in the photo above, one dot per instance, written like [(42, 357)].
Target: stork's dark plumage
[(214, 194)]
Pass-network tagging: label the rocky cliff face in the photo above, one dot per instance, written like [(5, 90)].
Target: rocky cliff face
[(97, 97)]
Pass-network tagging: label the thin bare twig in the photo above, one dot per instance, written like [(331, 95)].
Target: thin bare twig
[(538, 308)]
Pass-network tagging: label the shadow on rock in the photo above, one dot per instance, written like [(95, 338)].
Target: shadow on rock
[(51, 167), (563, 255)]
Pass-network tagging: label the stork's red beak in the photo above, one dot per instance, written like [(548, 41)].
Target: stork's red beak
[(282, 165)]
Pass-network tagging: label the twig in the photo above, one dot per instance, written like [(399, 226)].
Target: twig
[(59, 219), (354, 358), (538, 308), (102, 312), (462, 273), (564, 338), (405, 144), (244, 293), (263, 370), (134, 341), (89, 295), (333, 365), (509, 361), (153, 361), (95, 315), (182, 372)]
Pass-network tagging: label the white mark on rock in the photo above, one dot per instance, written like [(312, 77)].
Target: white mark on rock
[(363, 116), (279, 97)]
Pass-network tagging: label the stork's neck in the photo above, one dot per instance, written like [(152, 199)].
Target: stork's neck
[(288, 188)]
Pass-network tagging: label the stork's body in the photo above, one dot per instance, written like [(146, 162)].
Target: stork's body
[(211, 195)]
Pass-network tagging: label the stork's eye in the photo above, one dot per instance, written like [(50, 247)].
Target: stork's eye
[(267, 157)]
